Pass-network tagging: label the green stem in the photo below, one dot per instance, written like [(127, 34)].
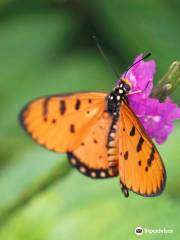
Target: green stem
[(168, 83), (61, 171)]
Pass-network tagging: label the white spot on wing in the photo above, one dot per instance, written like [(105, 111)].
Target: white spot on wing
[(82, 169), (73, 161), (93, 174), (102, 174)]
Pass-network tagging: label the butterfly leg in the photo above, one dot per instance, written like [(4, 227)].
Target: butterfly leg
[(124, 190)]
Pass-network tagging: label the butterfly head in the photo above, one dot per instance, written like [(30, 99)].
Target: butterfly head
[(118, 95), (120, 91), (125, 86)]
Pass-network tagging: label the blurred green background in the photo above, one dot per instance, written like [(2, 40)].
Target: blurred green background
[(46, 47)]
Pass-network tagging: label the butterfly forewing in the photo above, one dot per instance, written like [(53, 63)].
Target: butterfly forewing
[(140, 166), (60, 122)]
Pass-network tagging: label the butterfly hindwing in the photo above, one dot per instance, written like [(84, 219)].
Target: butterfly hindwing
[(140, 165), (91, 157), (60, 122)]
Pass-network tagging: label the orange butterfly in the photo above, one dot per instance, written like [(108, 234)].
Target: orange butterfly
[(101, 135)]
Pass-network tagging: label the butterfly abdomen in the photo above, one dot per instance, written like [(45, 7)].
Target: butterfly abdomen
[(112, 146), (113, 104)]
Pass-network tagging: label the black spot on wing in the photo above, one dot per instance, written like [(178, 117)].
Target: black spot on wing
[(151, 157), (72, 128), (139, 145), (45, 108), (146, 169), (78, 104), (132, 132), (54, 121), (126, 154), (62, 107), (149, 163), (139, 162)]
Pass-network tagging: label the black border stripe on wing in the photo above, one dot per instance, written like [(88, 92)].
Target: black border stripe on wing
[(84, 169)]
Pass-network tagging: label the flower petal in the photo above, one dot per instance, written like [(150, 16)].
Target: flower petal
[(156, 117), (141, 76)]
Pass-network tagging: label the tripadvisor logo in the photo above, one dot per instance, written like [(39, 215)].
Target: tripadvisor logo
[(138, 230)]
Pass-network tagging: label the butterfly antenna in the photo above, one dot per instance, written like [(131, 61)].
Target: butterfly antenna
[(146, 85), (143, 58), (104, 56)]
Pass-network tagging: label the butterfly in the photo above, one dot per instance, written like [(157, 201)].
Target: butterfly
[(102, 136)]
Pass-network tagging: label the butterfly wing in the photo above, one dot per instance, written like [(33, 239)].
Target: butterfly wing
[(60, 122), (91, 157), (140, 165)]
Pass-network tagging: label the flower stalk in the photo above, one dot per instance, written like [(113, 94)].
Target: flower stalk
[(169, 82)]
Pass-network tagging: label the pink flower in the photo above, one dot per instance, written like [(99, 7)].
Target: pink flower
[(141, 77), (156, 117)]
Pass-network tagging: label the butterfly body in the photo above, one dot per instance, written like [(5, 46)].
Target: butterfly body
[(101, 136), (114, 100)]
